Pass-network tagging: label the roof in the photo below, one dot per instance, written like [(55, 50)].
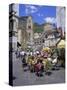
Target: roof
[(58, 41)]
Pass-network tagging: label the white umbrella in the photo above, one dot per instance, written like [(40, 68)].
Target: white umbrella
[(61, 44), (22, 53), (37, 52)]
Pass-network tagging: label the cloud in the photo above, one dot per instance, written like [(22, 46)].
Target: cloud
[(40, 14), (50, 19), (31, 9)]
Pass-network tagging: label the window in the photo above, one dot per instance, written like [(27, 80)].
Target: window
[(11, 25), (40, 42), (29, 21), (29, 35), (43, 41), (45, 36), (29, 27)]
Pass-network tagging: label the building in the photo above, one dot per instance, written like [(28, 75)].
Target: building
[(29, 30), (49, 37), (32, 35), (13, 26), (25, 32), (50, 34), (60, 18)]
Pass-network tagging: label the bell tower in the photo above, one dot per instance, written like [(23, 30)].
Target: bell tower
[(30, 30)]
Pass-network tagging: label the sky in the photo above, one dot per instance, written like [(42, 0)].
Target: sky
[(40, 14)]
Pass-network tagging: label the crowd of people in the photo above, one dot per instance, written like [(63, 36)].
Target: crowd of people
[(37, 62)]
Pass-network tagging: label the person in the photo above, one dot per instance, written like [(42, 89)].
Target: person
[(45, 54), (22, 53), (24, 60), (17, 54), (32, 63), (38, 68)]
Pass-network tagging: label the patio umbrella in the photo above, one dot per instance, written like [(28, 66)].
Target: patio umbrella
[(61, 44), (46, 49)]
